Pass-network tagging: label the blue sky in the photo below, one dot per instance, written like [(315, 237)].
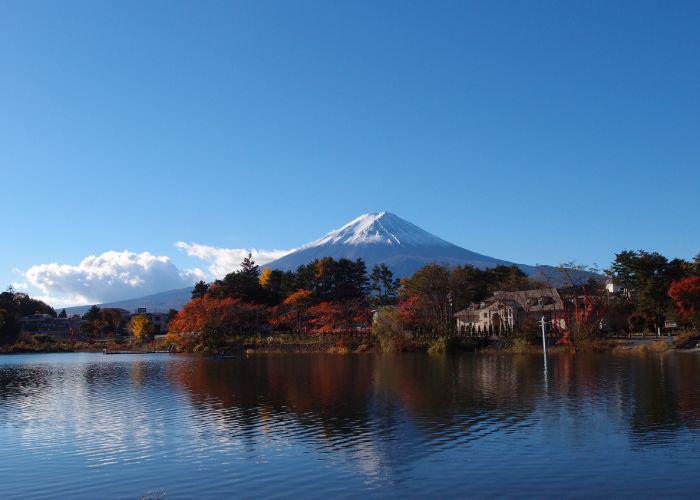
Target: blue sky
[(538, 132)]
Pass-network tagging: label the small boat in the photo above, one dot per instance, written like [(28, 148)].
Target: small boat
[(106, 352), (223, 355)]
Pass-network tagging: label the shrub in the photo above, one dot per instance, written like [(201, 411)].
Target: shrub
[(44, 338), (685, 339), (439, 346), (387, 329)]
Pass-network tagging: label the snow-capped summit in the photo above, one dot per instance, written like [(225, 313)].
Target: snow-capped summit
[(382, 237), (379, 228)]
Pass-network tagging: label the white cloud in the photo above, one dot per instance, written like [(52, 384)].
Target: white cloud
[(222, 261), (108, 277)]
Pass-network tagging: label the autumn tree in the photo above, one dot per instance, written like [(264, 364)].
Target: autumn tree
[(584, 300), (685, 294), (273, 283), (387, 328), (210, 320), (264, 279), (430, 287), (111, 319), (140, 326), (325, 317), (297, 305)]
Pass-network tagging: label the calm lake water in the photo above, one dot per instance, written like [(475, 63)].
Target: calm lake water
[(303, 425)]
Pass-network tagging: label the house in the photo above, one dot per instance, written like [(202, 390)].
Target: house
[(48, 325), (508, 311)]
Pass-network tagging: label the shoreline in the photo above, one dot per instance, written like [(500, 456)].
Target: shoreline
[(340, 344)]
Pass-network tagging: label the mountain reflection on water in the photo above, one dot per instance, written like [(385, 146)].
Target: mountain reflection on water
[(316, 425)]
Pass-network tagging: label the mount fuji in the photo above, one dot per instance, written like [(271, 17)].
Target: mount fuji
[(380, 237), (383, 237)]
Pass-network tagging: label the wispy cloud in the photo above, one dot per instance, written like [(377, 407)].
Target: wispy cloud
[(221, 261)]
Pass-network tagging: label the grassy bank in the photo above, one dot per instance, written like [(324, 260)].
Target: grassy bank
[(48, 344), (342, 344)]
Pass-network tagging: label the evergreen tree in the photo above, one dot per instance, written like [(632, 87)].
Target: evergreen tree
[(62, 314), (243, 284), (382, 282), (93, 314), (200, 289)]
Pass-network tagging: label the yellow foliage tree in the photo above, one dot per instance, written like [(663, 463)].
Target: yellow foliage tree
[(140, 325), (264, 279)]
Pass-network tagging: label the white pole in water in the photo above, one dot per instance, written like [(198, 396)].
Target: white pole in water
[(544, 339), (544, 348)]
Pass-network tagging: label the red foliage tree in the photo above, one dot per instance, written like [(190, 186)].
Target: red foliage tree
[(338, 317), (414, 314), (685, 294), (326, 317)]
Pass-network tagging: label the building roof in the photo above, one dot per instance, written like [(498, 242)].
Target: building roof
[(536, 300)]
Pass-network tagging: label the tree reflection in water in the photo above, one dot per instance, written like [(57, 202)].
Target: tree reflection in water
[(410, 403)]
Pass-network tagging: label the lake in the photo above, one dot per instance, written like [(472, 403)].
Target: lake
[(315, 425)]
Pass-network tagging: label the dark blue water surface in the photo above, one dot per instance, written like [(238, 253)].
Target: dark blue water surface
[(305, 425)]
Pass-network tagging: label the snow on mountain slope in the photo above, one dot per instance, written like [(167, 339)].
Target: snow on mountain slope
[(379, 228), (386, 238)]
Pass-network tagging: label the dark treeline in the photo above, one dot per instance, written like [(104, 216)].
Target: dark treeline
[(13, 307)]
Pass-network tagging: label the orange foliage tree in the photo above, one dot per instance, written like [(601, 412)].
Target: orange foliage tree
[(295, 310), (208, 319)]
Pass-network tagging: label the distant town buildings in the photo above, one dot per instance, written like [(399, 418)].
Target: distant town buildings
[(70, 328), (48, 325)]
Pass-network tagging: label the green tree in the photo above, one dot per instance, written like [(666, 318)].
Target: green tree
[(243, 284), (200, 289), (14, 307), (646, 278), (382, 282), (62, 314), (93, 314), (171, 314)]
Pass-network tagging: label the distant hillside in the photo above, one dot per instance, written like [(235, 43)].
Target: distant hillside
[(162, 301)]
